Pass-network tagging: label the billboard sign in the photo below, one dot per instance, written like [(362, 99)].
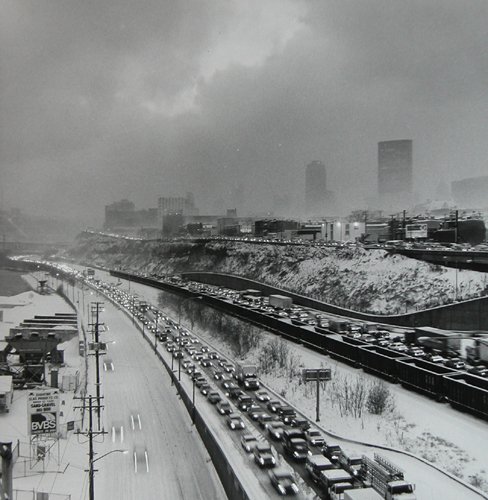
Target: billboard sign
[(316, 374), (43, 412), (416, 231)]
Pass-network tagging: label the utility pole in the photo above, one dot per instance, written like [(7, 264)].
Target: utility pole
[(456, 236), (156, 333), (90, 433), (90, 450), (97, 347)]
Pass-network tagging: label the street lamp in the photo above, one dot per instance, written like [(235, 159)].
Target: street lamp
[(193, 402), (92, 470), (156, 332)]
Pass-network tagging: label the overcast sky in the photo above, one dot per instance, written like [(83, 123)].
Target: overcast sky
[(230, 99)]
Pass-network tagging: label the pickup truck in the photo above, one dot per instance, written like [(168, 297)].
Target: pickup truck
[(328, 478), (315, 464), (350, 463), (314, 437)]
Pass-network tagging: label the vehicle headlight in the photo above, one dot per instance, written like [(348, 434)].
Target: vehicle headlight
[(232, 426), (295, 453), (261, 461), (294, 487), (281, 489), (273, 461)]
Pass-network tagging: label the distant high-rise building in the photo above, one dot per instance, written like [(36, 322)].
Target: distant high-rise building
[(471, 192), (171, 205), (395, 173), (315, 188), (123, 215)]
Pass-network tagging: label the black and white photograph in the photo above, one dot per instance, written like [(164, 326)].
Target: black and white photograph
[(243, 249)]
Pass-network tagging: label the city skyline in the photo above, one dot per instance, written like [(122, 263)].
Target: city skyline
[(108, 103)]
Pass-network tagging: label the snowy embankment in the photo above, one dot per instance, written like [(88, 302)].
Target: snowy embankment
[(370, 281), (450, 440)]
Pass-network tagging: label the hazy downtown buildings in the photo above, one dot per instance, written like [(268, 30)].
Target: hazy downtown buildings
[(315, 188), (122, 216), (395, 174), (471, 192), (171, 205)]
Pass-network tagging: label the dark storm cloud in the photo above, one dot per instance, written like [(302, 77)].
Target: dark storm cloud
[(103, 100)]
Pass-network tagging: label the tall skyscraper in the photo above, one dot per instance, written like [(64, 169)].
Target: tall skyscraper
[(315, 188), (395, 173)]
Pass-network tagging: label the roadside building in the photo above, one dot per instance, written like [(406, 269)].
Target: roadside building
[(6, 393)]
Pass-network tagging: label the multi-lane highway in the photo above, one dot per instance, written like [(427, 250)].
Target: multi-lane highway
[(166, 458), (135, 429)]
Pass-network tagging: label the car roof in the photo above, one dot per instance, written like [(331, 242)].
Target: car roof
[(249, 437), (282, 473)]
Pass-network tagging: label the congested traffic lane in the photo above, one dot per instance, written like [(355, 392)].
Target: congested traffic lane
[(221, 423), (180, 340), (257, 482), (166, 454), (428, 480)]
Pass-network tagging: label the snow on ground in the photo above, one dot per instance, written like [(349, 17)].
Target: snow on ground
[(365, 280), (60, 471), (26, 305), (451, 439), (434, 431)]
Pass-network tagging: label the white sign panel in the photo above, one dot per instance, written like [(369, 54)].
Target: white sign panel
[(42, 409), (416, 231)]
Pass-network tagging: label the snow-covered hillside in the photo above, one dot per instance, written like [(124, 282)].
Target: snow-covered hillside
[(364, 280)]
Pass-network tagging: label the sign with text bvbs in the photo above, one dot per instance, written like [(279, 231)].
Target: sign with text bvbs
[(43, 412)]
